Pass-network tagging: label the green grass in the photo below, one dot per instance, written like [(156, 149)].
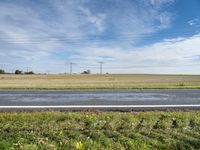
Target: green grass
[(109, 81), (100, 130)]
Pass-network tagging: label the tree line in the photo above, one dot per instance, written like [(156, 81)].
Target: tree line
[(17, 72)]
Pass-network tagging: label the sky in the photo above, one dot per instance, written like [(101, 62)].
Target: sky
[(128, 36)]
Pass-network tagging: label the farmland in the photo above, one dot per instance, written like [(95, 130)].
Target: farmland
[(96, 129), (109, 81)]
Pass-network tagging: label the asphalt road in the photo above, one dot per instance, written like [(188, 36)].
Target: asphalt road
[(109, 99)]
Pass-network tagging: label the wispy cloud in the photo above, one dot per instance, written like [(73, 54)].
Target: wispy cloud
[(161, 3), (47, 34), (172, 56), (194, 22)]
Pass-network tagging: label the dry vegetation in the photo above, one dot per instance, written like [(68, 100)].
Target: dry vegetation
[(114, 81)]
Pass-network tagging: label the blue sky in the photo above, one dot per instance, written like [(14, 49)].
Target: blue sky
[(129, 36)]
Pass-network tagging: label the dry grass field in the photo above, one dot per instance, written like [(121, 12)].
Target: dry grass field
[(110, 81)]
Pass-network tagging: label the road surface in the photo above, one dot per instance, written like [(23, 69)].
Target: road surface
[(101, 99)]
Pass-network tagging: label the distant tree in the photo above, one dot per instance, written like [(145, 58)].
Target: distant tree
[(18, 72), (2, 71), (86, 72), (29, 72)]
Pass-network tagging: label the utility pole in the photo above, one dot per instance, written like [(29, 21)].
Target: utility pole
[(27, 68), (71, 67), (101, 66)]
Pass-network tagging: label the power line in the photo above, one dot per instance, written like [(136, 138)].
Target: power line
[(135, 66), (78, 40), (51, 38)]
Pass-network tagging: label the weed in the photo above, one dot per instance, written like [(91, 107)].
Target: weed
[(102, 130)]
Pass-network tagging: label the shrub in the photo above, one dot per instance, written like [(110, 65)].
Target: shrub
[(18, 72), (2, 71), (181, 84), (86, 72), (30, 72)]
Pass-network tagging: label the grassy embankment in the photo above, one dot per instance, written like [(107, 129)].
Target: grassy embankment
[(100, 130), (111, 81)]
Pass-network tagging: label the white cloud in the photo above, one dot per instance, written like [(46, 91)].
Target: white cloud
[(38, 36), (160, 3), (168, 56), (194, 22), (165, 20), (98, 21)]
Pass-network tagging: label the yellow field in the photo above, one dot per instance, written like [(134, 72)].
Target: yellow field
[(110, 81)]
